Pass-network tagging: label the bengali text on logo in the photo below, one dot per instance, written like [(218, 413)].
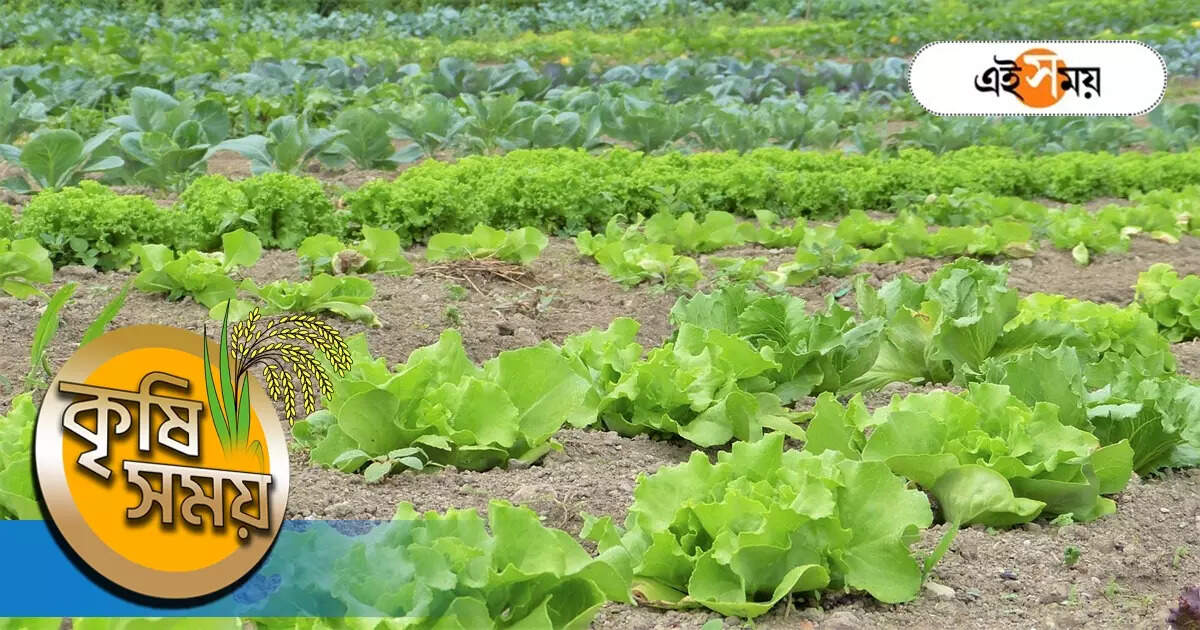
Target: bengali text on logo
[(1085, 78)]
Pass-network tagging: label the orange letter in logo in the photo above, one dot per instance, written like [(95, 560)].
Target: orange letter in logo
[(1041, 85)]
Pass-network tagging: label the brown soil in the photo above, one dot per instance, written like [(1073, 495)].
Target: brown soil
[(1132, 564)]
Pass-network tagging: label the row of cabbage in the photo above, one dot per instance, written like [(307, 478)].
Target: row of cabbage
[(165, 143), (84, 34)]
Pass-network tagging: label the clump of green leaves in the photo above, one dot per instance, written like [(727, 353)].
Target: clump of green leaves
[(985, 455), (379, 251), (345, 296), (1173, 302), (206, 278), (763, 523), (1106, 329), (18, 499), (820, 252), (166, 140), (706, 386), (56, 158), (952, 322), (364, 141), (18, 115), (288, 208), (517, 246), (449, 409), (630, 258), (816, 353), (281, 209), (716, 231), (23, 264), (1114, 397), (92, 225), (451, 570), (289, 146)]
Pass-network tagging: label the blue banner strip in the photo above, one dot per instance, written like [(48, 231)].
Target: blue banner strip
[(45, 581)]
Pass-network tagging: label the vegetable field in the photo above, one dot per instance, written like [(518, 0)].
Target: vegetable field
[(659, 315)]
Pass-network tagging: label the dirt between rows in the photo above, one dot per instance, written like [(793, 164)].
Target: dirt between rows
[(1131, 565)]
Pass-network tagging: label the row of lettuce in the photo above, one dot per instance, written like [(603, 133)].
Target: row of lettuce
[(1055, 403), (566, 192), (1061, 401), (232, 42), (656, 250), (660, 249), (166, 143)]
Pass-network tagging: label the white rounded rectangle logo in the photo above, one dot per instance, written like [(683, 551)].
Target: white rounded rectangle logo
[(1048, 78)]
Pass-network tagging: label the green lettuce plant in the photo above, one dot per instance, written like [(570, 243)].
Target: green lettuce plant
[(1101, 329), (23, 264), (742, 534), (816, 353), (820, 252), (952, 322), (716, 231), (452, 571), (206, 278), (18, 499), (1173, 302), (519, 246), (345, 296), (94, 226), (451, 411), (706, 386), (985, 455), (632, 260), (1116, 398), (379, 251)]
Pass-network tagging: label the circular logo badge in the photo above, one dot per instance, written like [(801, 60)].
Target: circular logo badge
[(162, 461)]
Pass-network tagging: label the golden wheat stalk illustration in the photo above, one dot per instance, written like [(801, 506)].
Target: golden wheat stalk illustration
[(273, 345)]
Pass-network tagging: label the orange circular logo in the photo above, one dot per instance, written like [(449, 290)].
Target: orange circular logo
[(162, 462), (1041, 84)]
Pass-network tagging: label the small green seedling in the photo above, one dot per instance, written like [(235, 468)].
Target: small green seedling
[(1071, 556), (456, 292)]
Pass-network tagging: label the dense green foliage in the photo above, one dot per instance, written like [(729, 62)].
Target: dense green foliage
[(761, 523), (880, 32), (568, 190), (23, 264), (440, 409), (206, 278), (17, 498), (1173, 302), (508, 572), (658, 133), (984, 455), (560, 190), (379, 251), (517, 246), (92, 225), (345, 296)]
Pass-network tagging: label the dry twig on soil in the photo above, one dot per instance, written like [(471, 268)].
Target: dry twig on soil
[(467, 270)]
